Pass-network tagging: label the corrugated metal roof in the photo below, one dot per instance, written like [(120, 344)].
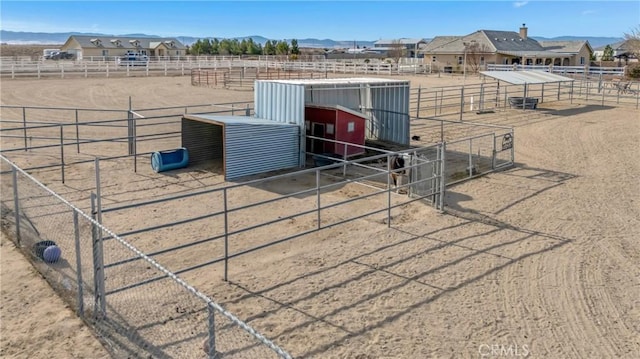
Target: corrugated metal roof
[(525, 77), (349, 80), (237, 120)]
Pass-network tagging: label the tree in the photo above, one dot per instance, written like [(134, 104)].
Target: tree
[(269, 48), (282, 48), (632, 43), (253, 48), (476, 53), (397, 50), (607, 54), (215, 47), (294, 47), (632, 47)]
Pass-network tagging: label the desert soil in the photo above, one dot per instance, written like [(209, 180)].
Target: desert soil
[(540, 260)]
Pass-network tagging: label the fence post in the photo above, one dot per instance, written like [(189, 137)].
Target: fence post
[(62, 151), (211, 339), (76, 233), (470, 168), (24, 127), (226, 235), (571, 93), (135, 144), (98, 267), (558, 91), (443, 178), (107, 69), (418, 106), (130, 128), (318, 197), (524, 97), (77, 134), (344, 164), (248, 111), (587, 91), (542, 95), (495, 152), (513, 148), (16, 202), (461, 102), (388, 191)]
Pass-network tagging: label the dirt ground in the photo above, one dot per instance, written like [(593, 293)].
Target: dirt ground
[(541, 260)]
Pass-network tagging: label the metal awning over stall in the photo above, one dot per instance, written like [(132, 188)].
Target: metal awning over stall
[(245, 145), (526, 77)]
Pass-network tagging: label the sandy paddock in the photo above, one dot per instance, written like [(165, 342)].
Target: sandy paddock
[(539, 260)]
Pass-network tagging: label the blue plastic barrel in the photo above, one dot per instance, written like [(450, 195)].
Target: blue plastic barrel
[(169, 160)]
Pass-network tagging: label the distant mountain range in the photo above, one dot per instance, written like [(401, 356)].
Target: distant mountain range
[(14, 37)]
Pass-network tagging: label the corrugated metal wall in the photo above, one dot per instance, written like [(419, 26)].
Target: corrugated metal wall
[(390, 114), (253, 149), (385, 103), (280, 102), (202, 140)]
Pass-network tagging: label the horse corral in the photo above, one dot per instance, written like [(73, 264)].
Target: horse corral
[(381, 262)]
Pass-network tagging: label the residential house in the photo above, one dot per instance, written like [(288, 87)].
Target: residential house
[(92, 46), (621, 52), (411, 46), (451, 53)]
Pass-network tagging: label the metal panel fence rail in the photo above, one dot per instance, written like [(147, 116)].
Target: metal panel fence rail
[(458, 101), (59, 137), (243, 78), (165, 319), (605, 93)]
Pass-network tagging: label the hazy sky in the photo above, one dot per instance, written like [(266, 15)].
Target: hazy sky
[(337, 20)]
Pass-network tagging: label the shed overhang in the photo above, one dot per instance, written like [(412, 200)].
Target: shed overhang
[(526, 77)]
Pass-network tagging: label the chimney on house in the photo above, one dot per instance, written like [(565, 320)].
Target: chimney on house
[(523, 32)]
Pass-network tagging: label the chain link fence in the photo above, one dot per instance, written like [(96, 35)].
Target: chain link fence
[(138, 308)]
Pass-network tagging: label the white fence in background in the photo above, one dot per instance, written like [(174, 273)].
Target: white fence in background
[(567, 70)]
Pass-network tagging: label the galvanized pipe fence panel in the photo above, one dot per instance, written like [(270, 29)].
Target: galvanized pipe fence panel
[(166, 318), (85, 132)]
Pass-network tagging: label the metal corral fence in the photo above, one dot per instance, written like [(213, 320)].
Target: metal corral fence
[(59, 137), (607, 93), (458, 102), (243, 78), (133, 295), (167, 318)]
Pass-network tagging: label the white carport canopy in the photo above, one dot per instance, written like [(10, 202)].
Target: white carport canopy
[(525, 77)]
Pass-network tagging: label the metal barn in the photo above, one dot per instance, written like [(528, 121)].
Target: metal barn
[(335, 123), (243, 145), (384, 102)]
